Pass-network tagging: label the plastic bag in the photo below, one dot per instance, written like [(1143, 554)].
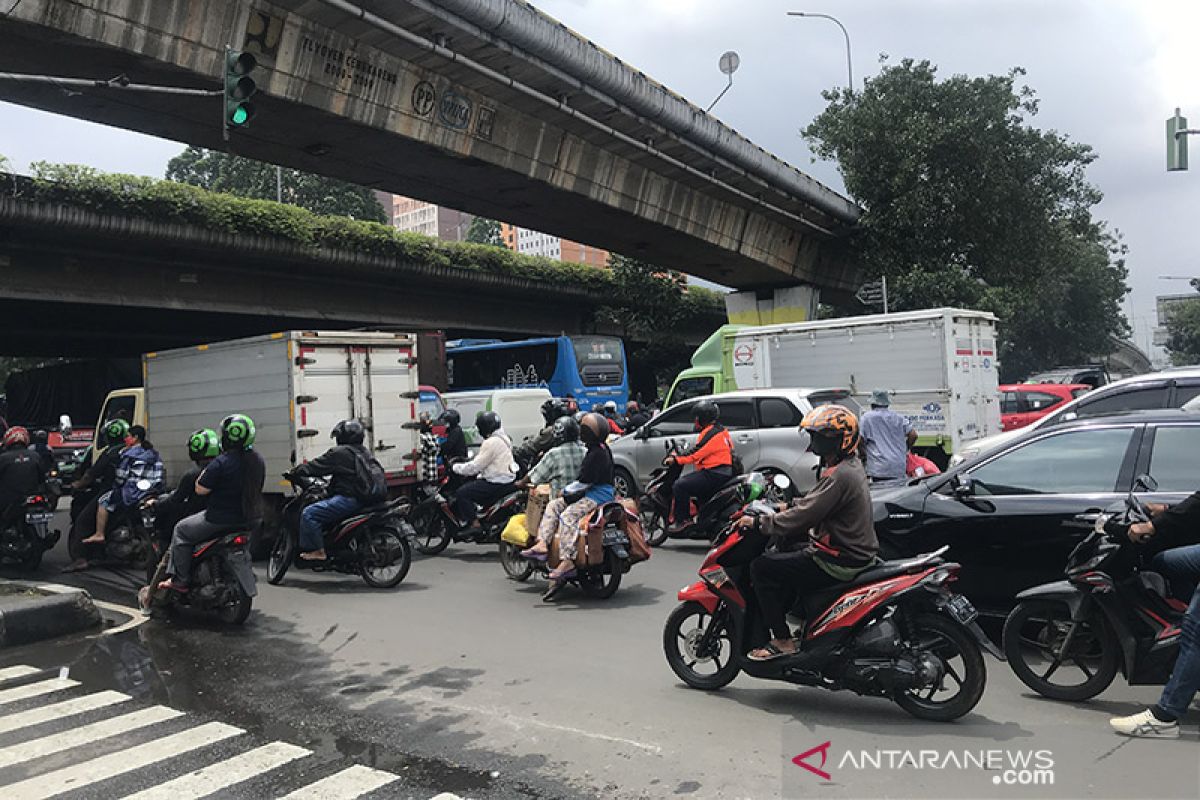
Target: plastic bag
[(515, 533)]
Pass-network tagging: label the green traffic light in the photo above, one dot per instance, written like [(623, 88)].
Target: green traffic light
[(240, 116)]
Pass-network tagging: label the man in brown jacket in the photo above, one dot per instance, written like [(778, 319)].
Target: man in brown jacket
[(835, 518)]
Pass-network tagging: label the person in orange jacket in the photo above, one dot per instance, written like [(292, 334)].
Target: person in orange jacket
[(713, 459)]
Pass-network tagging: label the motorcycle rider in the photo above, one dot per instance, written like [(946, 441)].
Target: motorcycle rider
[(20, 474), (563, 514), (610, 414), (561, 464), (139, 462), (455, 446), (203, 446), (1177, 534), (528, 452), (102, 471), (233, 484), (635, 417), (713, 457), (835, 520), (343, 463), (493, 469)]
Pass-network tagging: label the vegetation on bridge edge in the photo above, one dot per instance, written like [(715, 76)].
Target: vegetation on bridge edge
[(165, 201)]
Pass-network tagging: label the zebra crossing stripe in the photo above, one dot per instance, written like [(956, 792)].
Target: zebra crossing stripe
[(349, 783), (224, 774), (113, 726), (19, 671), (35, 689), (100, 769), (67, 708)]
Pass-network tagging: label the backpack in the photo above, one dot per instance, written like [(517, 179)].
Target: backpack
[(370, 481)]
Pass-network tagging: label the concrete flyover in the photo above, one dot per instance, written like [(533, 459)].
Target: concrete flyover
[(484, 105), (79, 281)]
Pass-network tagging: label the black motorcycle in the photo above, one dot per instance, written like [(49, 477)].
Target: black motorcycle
[(437, 526), (25, 535), (1067, 640), (710, 517), (373, 544), (130, 538), (222, 580)]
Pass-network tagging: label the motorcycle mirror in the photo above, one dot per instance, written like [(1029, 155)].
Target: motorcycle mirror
[(144, 485), (64, 424), (781, 481), (1145, 482), (964, 485)]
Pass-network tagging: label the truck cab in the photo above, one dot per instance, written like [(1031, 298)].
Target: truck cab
[(711, 371)]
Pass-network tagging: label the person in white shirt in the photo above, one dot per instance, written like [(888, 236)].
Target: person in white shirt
[(492, 467)]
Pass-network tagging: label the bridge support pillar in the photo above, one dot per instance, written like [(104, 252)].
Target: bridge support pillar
[(772, 306)]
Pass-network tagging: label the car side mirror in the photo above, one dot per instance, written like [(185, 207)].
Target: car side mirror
[(963, 485), (1145, 483), (64, 424)]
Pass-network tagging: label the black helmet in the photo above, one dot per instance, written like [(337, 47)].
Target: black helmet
[(348, 431), (566, 429), (706, 412), (552, 409), (40, 437), (451, 417), (487, 423), (593, 428)]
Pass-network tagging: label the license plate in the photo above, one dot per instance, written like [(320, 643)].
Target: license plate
[(39, 517), (961, 609)]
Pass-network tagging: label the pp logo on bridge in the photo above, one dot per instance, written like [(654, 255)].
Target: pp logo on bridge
[(424, 97)]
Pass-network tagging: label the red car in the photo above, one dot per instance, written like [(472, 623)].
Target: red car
[(1024, 403)]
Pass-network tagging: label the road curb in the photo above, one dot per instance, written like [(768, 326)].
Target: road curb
[(66, 609)]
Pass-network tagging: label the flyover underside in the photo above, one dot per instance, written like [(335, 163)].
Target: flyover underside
[(570, 182)]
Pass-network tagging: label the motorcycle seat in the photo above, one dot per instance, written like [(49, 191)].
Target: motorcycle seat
[(224, 536)]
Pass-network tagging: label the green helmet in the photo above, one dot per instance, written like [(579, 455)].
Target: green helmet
[(237, 432), (204, 443), (756, 487), (115, 431)]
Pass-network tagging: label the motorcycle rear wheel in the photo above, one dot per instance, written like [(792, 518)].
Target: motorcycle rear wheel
[(236, 613), (1037, 627), (516, 568), (282, 556), (391, 557), (680, 636), (604, 585), (949, 641)]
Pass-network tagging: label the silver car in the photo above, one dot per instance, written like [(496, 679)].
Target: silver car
[(762, 422)]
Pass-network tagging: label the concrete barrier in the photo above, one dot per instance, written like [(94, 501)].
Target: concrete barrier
[(47, 611)]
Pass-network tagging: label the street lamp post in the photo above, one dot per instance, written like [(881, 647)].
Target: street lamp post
[(845, 33)]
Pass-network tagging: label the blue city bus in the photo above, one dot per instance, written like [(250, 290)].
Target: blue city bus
[(592, 368)]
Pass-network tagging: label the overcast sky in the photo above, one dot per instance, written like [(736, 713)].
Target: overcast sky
[(1108, 73)]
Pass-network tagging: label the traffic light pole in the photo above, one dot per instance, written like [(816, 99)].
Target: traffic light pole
[(1177, 149), (119, 82)]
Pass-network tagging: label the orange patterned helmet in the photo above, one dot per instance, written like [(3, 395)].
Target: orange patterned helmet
[(835, 422)]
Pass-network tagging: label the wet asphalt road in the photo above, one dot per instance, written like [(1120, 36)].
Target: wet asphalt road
[(460, 680)]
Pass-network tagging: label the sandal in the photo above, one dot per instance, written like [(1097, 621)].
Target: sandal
[(534, 555), (314, 555), (560, 575), (95, 538), (169, 585), (771, 652), (552, 590)]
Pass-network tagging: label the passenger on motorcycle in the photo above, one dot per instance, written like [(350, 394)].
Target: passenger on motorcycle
[(41, 446), (713, 457), (140, 463), (455, 446), (528, 452), (834, 521), (635, 417), (563, 515), (561, 465), (102, 471), (493, 469), (347, 463), (203, 446), (1176, 532), (429, 449), (610, 414), (233, 484), (20, 474)]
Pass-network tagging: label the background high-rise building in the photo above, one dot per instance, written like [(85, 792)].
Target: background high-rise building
[(417, 216), (534, 243)]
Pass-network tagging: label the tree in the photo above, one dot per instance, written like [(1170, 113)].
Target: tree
[(484, 231), (967, 204), (1183, 332), (244, 177)]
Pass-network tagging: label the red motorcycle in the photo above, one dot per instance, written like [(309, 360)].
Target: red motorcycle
[(897, 631)]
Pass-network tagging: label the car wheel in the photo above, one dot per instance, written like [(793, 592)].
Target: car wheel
[(623, 483)]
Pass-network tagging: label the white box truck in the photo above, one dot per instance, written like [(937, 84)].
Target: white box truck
[(295, 385), (939, 364)]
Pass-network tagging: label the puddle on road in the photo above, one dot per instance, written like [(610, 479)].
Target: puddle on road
[(244, 677)]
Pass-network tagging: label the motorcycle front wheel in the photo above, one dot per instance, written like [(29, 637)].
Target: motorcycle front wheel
[(516, 568), (709, 666), (1034, 634), (654, 524), (282, 556), (961, 687)]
